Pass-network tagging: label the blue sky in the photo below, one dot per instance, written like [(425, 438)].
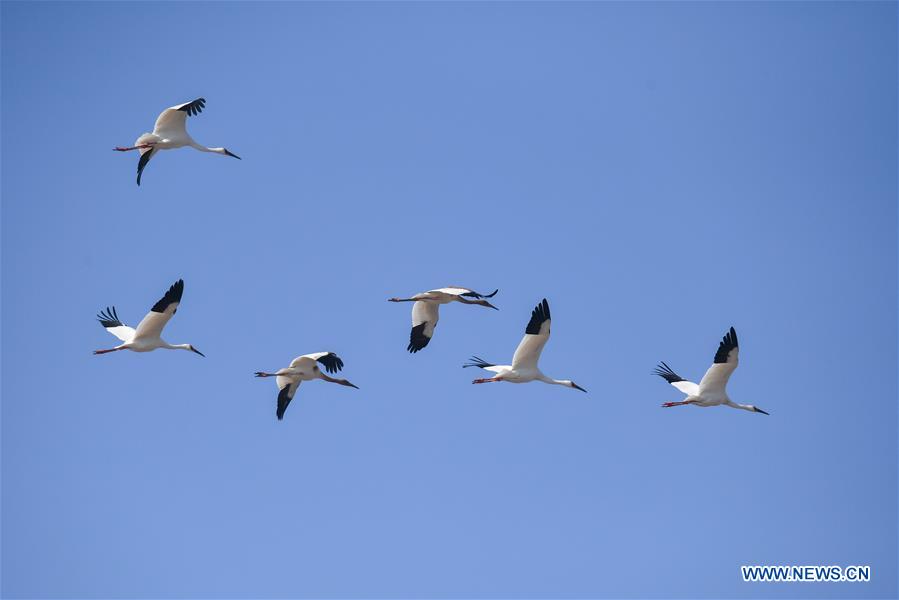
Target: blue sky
[(659, 172)]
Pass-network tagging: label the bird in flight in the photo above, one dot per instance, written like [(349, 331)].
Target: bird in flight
[(304, 368), (425, 311), (711, 390), (170, 132), (148, 334), (524, 363)]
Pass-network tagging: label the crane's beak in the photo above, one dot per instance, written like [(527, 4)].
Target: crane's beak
[(347, 383), (761, 411), (577, 387), (229, 153), (490, 305), (198, 352)]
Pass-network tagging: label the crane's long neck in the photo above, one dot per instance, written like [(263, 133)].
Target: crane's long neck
[(565, 382), (169, 346), (321, 375), (748, 407), (203, 148), (551, 381)]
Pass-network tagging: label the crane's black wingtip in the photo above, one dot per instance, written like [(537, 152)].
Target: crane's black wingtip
[(109, 318), (172, 296), (728, 343), (539, 315), (667, 373), (477, 361), (417, 339), (194, 107), (331, 362), (284, 399)]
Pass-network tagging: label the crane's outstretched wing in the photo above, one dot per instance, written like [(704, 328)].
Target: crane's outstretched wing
[(468, 293), (288, 387), (305, 363), (687, 387), (330, 361), (109, 319), (424, 319), (535, 336), (145, 155), (172, 122), (715, 379), (151, 325)]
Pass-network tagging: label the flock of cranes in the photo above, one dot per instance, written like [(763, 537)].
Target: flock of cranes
[(170, 132)]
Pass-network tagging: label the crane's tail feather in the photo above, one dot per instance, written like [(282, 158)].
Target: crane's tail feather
[(667, 373), (476, 361), (109, 318)]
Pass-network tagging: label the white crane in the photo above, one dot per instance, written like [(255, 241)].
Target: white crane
[(304, 368), (710, 391), (170, 132), (147, 335), (524, 363), (425, 311)]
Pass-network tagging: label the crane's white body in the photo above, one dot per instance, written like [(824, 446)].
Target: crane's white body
[(170, 132), (304, 368), (426, 311), (148, 335), (712, 388), (524, 367)]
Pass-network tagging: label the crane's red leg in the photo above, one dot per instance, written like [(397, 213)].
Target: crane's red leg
[(670, 404), (105, 351), (138, 147), (488, 380)]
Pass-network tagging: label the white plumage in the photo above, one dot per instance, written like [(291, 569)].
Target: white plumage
[(170, 132), (304, 368), (524, 363), (148, 335), (426, 311), (711, 390)]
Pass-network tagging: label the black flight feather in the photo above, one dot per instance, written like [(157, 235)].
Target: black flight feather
[(109, 318), (538, 316), (171, 296), (728, 343), (417, 339), (473, 294), (666, 373), (476, 361), (331, 362), (195, 107), (284, 399), (142, 163)]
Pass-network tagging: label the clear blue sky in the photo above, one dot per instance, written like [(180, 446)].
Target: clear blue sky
[(659, 172)]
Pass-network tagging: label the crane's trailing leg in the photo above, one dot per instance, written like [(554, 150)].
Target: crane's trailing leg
[(105, 351), (670, 404), (138, 147), (487, 380)]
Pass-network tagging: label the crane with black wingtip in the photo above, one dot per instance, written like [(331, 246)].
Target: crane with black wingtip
[(711, 390), (170, 132)]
